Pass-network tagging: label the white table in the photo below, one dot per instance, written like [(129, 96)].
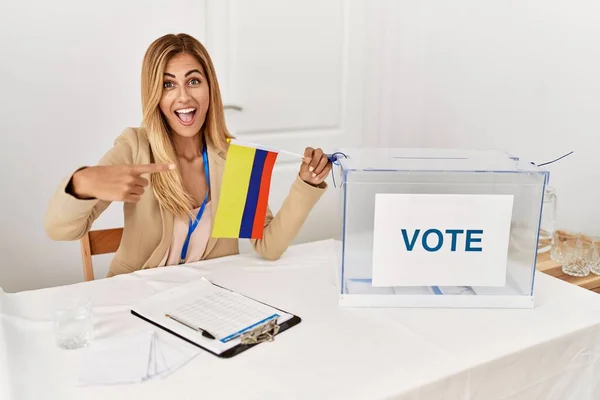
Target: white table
[(549, 352)]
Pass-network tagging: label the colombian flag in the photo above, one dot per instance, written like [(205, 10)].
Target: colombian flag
[(244, 192)]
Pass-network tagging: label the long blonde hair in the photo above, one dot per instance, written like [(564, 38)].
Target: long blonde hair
[(168, 187)]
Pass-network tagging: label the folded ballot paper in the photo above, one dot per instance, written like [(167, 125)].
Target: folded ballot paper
[(133, 357)]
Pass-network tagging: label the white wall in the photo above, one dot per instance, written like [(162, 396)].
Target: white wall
[(495, 74), (520, 76), (70, 84), (71, 73)]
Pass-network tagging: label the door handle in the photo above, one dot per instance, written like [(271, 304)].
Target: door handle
[(232, 107)]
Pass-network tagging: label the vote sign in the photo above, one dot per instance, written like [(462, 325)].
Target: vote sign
[(441, 239)]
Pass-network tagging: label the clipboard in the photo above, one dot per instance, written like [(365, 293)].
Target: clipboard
[(263, 332)]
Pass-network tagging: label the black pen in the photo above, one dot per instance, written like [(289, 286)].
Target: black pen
[(206, 334)]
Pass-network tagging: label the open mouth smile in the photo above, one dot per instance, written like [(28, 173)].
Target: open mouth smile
[(186, 115)]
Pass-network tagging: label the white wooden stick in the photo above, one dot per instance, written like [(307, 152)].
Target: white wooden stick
[(259, 146)]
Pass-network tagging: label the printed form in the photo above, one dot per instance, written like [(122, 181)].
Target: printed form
[(200, 306)]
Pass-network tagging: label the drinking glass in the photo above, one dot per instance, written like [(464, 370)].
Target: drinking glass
[(559, 238), (594, 256), (573, 253), (73, 322)]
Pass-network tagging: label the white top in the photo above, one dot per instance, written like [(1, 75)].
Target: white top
[(198, 241)]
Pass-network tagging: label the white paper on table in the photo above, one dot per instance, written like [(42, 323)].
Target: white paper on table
[(122, 359), (161, 364), (457, 290), (172, 355), (133, 358), (364, 286), (413, 290)]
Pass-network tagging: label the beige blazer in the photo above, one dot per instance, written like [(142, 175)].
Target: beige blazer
[(148, 228)]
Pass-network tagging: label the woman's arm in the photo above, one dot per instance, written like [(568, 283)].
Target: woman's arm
[(307, 189), (281, 229), (69, 217)]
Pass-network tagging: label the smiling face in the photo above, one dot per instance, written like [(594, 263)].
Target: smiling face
[(185, 97)]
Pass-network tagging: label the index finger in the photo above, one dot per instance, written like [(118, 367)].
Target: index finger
[(152, 168)]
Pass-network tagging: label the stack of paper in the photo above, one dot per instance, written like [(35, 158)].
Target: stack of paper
[(132, 358)]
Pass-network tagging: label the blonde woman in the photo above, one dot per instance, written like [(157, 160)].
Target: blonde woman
[(168, 172)]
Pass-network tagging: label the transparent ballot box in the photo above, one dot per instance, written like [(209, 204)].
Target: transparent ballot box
[(437, 228)]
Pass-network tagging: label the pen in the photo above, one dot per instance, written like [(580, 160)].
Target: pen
[(206, 334)]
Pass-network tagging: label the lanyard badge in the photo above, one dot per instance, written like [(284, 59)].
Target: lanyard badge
[(193, 224)]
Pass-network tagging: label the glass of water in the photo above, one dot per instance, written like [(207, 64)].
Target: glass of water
[(73, 322)]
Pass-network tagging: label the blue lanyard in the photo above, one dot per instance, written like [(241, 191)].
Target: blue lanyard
[(194, 224)]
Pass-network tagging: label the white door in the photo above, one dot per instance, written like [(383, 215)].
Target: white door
[(291, 75)]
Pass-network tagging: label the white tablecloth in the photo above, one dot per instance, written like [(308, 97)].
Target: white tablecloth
[(549, 352)]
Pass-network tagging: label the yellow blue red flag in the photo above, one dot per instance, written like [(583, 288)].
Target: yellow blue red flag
[(245, 191)]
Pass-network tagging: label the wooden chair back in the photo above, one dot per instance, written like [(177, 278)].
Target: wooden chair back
[(97, 242)]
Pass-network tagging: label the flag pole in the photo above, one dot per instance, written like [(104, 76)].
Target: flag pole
[(262, 147)]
